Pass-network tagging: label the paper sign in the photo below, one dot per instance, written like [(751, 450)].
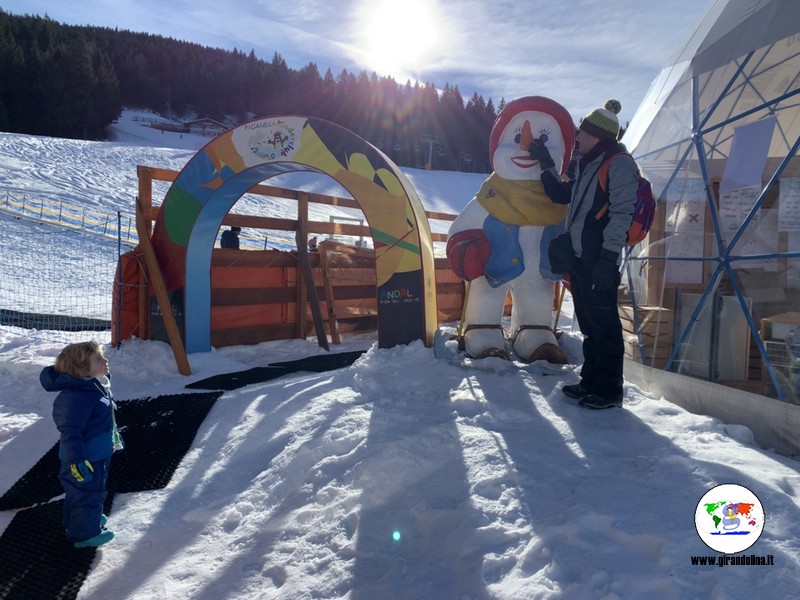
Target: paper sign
[(789, 205), (760, 237), (793, 264), (748, 156), (735, 205), (686, 221)]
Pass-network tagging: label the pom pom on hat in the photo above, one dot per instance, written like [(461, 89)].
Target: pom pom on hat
[(614, 106), (602, 123)]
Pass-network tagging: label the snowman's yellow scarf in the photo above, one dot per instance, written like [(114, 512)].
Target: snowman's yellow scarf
[(522, 203)]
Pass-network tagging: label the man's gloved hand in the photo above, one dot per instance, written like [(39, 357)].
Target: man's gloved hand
[(82, 471), (539, 151), (605, 272)]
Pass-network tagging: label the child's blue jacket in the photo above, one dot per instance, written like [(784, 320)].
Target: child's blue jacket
[(83, 413)]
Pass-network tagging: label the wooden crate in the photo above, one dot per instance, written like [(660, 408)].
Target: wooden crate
[(655, 328)]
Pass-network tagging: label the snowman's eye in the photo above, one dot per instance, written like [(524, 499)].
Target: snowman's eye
[(517, 138), (544, 135)]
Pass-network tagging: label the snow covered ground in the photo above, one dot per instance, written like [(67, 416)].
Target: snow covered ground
[(401, 476)]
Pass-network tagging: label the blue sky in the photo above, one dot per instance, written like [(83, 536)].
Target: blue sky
[(578, 52)]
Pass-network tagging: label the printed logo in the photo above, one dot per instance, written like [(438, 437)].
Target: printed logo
[(272, 139), (398, 296), (729, 518)]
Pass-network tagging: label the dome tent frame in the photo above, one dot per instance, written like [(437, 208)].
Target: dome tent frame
[(739, 66)]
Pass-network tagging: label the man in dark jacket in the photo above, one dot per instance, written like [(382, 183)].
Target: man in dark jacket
[(596, 243), (230, 238)]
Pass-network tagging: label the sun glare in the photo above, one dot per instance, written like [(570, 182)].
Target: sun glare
[(398, 35)]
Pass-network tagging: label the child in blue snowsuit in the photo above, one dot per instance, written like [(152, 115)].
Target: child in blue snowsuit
[(84, 415)]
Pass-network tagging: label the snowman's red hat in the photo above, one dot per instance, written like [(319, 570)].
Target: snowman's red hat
[(539, 104)]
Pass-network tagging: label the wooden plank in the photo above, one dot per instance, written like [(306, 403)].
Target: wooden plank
[(304, 283), (157, 281), (649, 329), (348, 312), (305, 268), (448, 315), (651, 346), (645, 312), (447, 289), (648, 321), (227, 257), (354, 292), (276, 192), (346, 254), (145, 199), (143, 303), (650, 340), (440, 216), (251, 335), (281, 295), (249, 315), (346, 276), (249, 296), (156, 173), (327, 286)]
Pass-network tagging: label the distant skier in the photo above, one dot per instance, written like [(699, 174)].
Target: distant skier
[(230, 238)]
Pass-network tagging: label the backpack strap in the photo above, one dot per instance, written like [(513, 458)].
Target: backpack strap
[(603, 182)]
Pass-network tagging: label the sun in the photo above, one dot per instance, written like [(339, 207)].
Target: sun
[(398, 34)]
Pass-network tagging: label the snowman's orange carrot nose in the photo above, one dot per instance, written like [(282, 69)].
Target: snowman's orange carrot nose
[(526, 137)]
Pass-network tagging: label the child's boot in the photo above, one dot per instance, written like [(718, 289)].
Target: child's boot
[(101, 538)]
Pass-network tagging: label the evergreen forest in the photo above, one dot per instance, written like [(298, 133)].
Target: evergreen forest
[(72, 81)]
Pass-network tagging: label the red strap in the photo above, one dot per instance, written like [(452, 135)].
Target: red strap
[(603, 182)]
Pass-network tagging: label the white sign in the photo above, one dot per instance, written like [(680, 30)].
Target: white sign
[(789, 205), (686, 220), (793, 264), (734, 206), (760, 237), (748, 156)]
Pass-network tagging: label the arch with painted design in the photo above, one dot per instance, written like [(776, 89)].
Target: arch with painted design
[(222, 171)]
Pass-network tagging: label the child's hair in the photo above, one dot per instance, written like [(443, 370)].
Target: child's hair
[(74, 359)]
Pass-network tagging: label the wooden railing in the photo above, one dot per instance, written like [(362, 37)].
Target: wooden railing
[(149, 174)]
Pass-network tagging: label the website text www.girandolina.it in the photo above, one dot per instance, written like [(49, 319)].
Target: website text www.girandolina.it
[(728, 560)]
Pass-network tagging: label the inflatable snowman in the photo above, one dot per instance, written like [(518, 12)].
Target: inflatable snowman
[(499, 242)]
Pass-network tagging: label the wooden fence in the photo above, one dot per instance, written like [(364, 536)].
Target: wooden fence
[(262, 295)]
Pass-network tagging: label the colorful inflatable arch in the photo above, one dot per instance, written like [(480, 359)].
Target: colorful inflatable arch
[(220, 173)]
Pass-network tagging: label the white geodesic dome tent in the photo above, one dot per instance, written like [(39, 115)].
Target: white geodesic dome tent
[(717, 284)]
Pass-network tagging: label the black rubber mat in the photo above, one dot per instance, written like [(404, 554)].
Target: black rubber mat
[(314, 364), (38, 561), (233, 381), (38, 485), (321, 362), (157, 432), (51, 322)]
